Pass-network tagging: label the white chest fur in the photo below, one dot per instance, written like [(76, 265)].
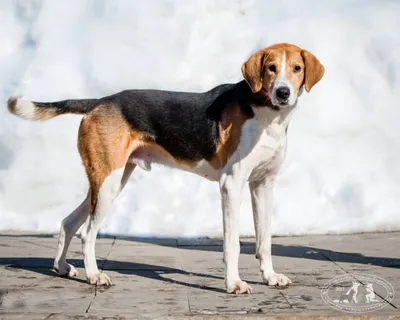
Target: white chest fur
[(263, 144)]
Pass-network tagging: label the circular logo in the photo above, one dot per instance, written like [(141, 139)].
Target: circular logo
[(357, 293)]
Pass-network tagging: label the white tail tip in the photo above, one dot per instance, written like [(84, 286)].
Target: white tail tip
[(22, 108)]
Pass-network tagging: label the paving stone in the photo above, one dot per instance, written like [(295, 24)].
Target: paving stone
[(201, 257), (263, 300), (15, 278), (143, 258), (47, 294), (305, 291), (142, 294), (207, 295), (24, 316), (28, 300), (169, 278)]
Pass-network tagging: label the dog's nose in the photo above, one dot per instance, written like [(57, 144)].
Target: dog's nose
[(283, 93)]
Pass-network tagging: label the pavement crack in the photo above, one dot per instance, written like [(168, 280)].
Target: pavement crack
[(90, 304), (328, 258), (188, 302), (3, 294), (284, 297), (187, 291), (102, 269), (108, 254)]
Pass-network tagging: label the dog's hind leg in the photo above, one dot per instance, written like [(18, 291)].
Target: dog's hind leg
[(105, 195), (105, 144), (69, 227), (108, 191)]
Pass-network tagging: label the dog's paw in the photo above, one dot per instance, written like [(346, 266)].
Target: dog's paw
[(99, 279), (65, 270), (276, 279), (239, 287)]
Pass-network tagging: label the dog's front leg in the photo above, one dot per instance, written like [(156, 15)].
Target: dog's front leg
[(262, 203), (231, 190)]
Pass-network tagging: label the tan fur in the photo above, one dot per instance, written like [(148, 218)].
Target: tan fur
[(258, 76), (45, 114), (104, 143), (230, 130), (314, 70), (252, 70)]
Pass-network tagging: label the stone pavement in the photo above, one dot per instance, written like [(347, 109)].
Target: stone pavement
[(183, 278)]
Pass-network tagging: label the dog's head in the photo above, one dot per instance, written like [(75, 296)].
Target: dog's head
[(281, 71)]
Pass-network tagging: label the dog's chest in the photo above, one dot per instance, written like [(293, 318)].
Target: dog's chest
[(262, 147)]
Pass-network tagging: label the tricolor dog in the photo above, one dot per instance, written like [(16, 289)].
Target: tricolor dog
[(234, 134)]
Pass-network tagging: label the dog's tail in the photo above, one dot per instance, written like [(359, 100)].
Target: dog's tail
[(46, 110)]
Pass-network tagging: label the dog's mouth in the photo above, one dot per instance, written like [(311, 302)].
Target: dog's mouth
[(283, 103)]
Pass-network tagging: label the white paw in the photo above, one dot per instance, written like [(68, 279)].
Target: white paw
[(276, 279), (99, 279), (65, 270), (239, 286)]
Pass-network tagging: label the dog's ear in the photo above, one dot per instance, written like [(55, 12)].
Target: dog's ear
[(314, 70), (252, 71)]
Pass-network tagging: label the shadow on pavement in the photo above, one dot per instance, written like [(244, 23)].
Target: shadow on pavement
[(44, 265)]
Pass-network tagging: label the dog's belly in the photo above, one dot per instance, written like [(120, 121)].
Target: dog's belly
[(145, 156), (205, 170)]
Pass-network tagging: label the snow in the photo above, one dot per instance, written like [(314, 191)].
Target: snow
[(342, 171)]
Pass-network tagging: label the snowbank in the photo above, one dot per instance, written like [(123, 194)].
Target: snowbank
[(342, 172)]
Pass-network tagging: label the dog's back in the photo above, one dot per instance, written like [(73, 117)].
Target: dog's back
[(186, 124)]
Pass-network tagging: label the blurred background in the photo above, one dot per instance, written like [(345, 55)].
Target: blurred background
[(342, 170)]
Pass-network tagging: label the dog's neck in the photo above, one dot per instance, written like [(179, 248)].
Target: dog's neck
[(264, 111), (259, 106), (267, 116), (267, 99), (259, 99)]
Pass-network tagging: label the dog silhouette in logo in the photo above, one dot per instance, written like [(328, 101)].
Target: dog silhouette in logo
[(351, 295), (370, 296)]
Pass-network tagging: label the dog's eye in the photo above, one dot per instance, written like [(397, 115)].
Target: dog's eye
[(272, 68), (296, 69)]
